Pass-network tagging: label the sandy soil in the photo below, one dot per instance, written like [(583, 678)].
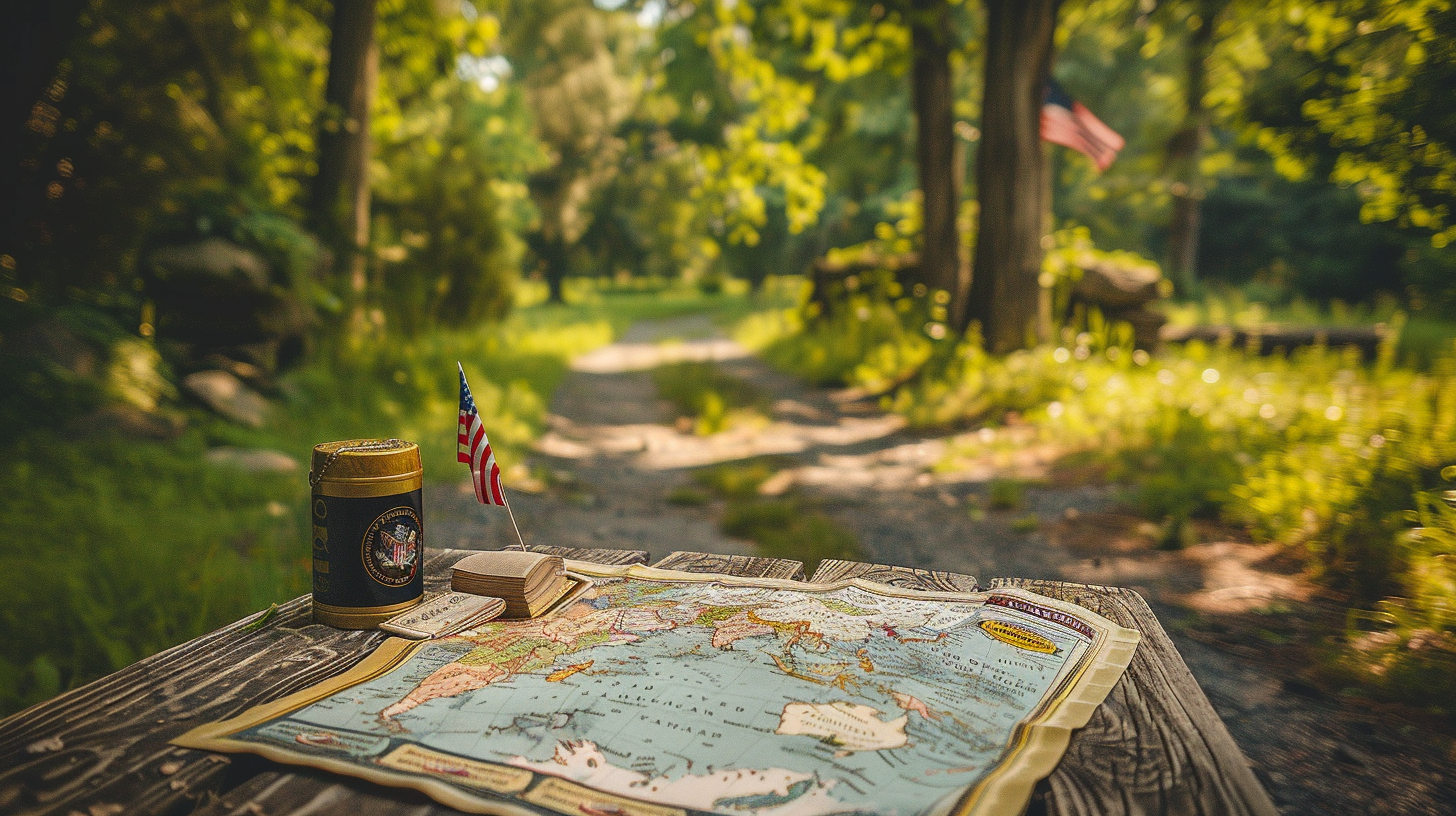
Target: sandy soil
[(1237, 611)]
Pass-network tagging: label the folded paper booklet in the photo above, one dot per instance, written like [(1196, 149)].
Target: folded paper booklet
[(649, 692), (528, 582), (445, 615)]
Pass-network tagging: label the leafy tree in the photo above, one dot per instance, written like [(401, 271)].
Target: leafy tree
[(1356, 98), (571, 59), (154, 103), (450, 203), (1375, 78)]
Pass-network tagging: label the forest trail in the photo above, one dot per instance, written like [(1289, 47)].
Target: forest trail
[(1237, 611)]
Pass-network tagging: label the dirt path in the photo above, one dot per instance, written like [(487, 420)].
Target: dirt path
[(1237, 611)]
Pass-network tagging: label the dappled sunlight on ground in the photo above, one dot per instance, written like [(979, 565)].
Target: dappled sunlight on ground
[(620, 357), (1213, 577), (988, 502)]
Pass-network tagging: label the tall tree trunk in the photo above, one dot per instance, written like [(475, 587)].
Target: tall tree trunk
[(340, 201), (553, 255), (1005, 290), (940, 185), (1185, 151)]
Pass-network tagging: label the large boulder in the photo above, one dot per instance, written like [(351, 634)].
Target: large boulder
[(252, 460), (219, 260), (227, 395), (1117, 283), (130, 420), (216, 294), (1122, 288)]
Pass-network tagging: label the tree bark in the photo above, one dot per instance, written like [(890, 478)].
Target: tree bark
[(933, 95), (1005, 290), (340, 195), (1185, 151), (552, 252)]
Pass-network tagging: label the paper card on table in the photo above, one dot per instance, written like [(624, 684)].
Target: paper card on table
[(445, 615)]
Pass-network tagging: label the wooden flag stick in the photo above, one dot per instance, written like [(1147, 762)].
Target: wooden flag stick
[(520, 541)]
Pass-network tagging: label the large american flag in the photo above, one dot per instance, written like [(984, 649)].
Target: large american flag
[(475, 450), (1067, 122)]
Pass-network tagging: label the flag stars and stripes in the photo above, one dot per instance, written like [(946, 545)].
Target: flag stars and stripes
[(474, 450), (1069, 123)]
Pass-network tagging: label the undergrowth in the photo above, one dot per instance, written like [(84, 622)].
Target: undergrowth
[(1405, 648), (133, 545), (1316, 449)]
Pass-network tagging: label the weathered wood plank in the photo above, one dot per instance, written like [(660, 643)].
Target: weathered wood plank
[(1266, 339), (745, 565), (1156, 745), (596, 555), (831, 570), (106, 744)]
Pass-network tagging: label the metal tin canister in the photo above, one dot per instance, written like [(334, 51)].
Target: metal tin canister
[(368, 531)]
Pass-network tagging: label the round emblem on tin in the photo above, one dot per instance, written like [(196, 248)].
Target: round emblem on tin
[(392, 547)]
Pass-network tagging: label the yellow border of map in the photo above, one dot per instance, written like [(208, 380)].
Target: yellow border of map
[(1037, 744)]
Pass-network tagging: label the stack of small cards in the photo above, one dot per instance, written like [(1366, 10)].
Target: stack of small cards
[(445, 615), (528, 582)]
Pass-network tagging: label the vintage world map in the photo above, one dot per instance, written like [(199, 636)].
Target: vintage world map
[(658, 693)]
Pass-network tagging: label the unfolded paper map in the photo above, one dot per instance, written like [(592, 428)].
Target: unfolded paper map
[(659, 692)]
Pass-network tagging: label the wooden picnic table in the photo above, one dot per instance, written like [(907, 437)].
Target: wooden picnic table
[(1156, 746)]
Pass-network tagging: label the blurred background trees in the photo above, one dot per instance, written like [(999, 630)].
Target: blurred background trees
[(414, 157)]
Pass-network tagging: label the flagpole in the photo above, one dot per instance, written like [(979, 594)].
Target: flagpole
[(481, 477), (512, 516)]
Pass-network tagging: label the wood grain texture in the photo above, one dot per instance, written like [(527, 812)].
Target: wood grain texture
[(597, 556), (105, 746), (745, 565), (831, 570), (1156, 745)]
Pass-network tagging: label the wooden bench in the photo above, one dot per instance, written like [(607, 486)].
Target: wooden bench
[(1269, 339), (1155, 747)]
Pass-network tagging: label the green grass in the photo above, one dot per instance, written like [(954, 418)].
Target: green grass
[(130, 546), (1314, 449), (1006, 494), (787, 526), (713, 399), (790, 528), (740, 480), (1026, 524), (1248, 307), (689, 497)]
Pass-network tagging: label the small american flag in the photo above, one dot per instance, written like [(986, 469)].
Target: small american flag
[(475, 450), (1067, 122)]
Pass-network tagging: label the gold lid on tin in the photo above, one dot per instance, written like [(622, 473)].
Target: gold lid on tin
[(366, 467), (344, 617)]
